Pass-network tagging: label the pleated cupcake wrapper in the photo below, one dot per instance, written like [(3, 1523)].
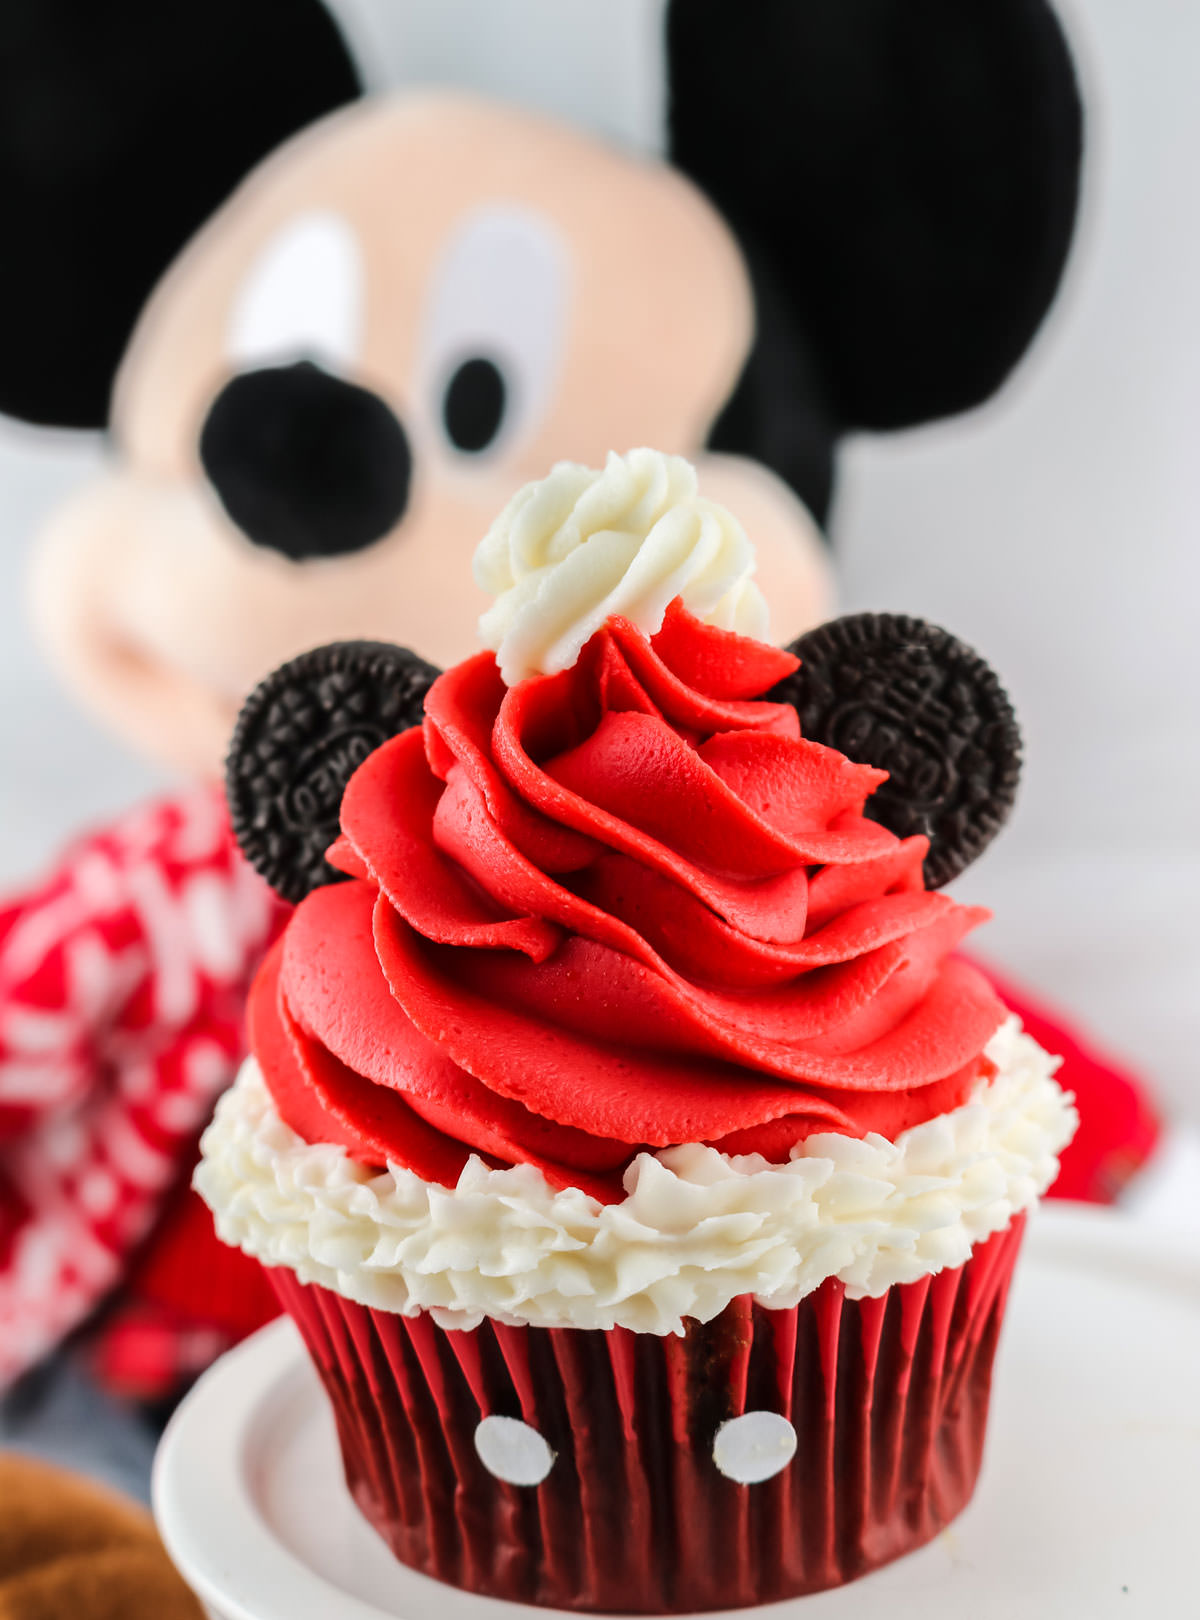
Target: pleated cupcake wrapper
[(888, 1398)]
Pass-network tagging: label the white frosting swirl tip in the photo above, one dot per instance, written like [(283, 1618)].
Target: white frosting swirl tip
[(580, 546)]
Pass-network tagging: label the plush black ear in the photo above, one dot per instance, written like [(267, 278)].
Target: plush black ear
[(301, 735), (903, 175), (123, 124), (903, 695)]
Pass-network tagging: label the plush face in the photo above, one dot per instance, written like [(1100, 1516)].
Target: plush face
[(417, 304), (408, 311)]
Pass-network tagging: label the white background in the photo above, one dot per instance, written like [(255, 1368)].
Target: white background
[(1058, 529)]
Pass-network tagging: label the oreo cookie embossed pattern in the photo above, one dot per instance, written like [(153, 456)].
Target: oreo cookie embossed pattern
[(901, 694), (300, 737)]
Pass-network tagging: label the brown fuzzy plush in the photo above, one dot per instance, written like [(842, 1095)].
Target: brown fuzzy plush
[(70, 1548)]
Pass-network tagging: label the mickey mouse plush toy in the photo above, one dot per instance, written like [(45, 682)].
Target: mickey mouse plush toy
[(414, 305)]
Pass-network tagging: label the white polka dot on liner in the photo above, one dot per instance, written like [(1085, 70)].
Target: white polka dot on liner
[(513, 1451), (754, 1447)]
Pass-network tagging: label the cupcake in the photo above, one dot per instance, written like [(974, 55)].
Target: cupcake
[(642, 1168)]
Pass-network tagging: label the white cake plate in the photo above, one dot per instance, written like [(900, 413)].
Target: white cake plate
[(1089, 1504)]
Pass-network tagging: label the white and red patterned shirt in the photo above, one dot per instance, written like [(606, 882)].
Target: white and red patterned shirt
[(122, 986)]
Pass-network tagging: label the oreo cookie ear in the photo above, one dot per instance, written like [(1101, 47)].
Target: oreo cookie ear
[(301, 735), (902, 695), (902, 173), (125, 124)]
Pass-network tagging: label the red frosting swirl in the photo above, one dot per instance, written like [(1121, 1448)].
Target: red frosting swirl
[(617, 908)]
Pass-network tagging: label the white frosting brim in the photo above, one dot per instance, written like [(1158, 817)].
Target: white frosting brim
[(696, 1229)]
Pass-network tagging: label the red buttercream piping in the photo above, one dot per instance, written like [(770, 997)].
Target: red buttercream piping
[(616, 908)]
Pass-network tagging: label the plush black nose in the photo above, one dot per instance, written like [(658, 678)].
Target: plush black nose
[(304, 462)]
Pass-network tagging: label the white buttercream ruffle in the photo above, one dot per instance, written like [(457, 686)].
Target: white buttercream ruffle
[(696, 1228)]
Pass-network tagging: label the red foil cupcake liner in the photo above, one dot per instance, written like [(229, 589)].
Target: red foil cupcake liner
[(887, 1397)]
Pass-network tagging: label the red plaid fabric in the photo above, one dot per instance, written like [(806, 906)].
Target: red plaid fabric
[(185, 1298), (122, 984)]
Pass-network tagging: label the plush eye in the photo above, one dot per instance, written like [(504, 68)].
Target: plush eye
[(754, 1447), (492, 335), (303, 298), (513, 1451), (473, 407)]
